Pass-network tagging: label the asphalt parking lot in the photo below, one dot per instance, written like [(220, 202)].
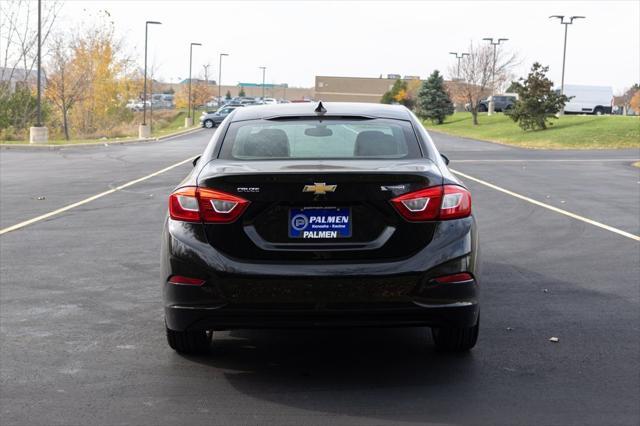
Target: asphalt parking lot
[(81, 331)]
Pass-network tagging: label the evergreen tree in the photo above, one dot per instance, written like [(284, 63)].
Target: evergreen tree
[(537, 101), (228, 95), (434, 102), (242, 94)]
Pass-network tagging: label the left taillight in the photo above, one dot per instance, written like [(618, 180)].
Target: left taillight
[(435, 203), (191, 204)]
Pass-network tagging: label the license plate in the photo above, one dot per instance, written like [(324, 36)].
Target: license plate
[(320, 223)]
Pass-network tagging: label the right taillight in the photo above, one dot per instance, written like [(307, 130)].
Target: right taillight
[(456, 202), (435, 203), (191, 204)]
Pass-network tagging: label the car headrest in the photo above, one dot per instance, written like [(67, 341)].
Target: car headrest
[(372, 143), (266, 143)]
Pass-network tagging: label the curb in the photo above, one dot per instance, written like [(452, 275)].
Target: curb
[(98, 143)]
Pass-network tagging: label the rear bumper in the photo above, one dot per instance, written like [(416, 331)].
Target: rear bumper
[(459, 314), (240, 294)]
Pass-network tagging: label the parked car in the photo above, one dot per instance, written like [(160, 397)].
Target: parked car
[(501, 103), (308, 215), (588, 99), (135, 105), (269, 101), (213, 119)]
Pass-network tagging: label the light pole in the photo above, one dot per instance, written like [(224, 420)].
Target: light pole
[(220, 78), (493, 71), (39, 133), (458, 57), (144, 131), (263, 70), (189, 120), (564, 52)]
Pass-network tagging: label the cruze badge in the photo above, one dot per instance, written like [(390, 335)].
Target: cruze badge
[(319, 188)]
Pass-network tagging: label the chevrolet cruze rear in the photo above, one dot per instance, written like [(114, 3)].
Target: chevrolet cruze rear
[(304, 215)]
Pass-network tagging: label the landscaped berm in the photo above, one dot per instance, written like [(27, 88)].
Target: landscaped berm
[(567, 132)]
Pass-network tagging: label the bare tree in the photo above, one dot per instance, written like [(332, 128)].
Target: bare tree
[(67, 81), (476, 74), (19, 44)]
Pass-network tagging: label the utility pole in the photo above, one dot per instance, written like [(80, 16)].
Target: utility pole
[(458, 57), (39, 121), (143, 130), (493, 72), (206, 73), (189, 120), (564, 52), (263, 70), (39, 133)]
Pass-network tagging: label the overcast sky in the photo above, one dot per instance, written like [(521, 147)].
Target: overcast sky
[(297, 40)]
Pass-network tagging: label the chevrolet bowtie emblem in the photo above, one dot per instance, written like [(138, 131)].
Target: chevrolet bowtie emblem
[(319, 188)]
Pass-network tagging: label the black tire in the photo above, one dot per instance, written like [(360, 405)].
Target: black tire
[(598, 111), (209, 124), (455, 339), (482, 108), (189, 342)]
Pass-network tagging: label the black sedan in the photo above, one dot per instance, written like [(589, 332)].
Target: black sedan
[(311, 215)]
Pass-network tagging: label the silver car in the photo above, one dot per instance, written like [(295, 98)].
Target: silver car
[(210, 120)]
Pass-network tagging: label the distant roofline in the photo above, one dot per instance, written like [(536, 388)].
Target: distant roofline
[(365, 78)]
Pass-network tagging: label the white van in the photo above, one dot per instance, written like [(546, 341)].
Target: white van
[(588, 99)]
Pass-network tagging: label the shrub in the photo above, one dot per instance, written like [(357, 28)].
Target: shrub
[(537, 101)]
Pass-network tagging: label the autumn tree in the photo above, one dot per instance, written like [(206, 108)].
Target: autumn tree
[(628, 95), (98, 53), (390, 95), (91, 79), (201, 93), (476, 74), (537, 101), (434, 102), (634, 103), (67, 81), (399, 94)]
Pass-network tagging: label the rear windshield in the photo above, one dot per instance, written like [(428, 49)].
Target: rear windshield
[(320, 139)]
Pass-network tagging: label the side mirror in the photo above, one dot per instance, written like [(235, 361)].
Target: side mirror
[(445, 158), (195, 160)]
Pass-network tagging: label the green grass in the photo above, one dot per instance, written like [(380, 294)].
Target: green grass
[(566, 132), (175, 125), (162, 126)]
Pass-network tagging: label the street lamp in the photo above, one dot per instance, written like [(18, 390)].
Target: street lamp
[(263, 70), (458, 57), (39, 133), (189, 102), (493, 71), (145, 133), (564, 52), (220, 77)]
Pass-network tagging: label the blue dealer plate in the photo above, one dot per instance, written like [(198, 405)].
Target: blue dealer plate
[(320, 223)]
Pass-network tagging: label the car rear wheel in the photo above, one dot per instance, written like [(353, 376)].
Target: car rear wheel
[(455, 339), (189, 342), (482, 108), (598, 111), (209, 124)]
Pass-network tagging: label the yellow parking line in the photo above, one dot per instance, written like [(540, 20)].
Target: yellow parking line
[(549, 207), (92, 198)]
